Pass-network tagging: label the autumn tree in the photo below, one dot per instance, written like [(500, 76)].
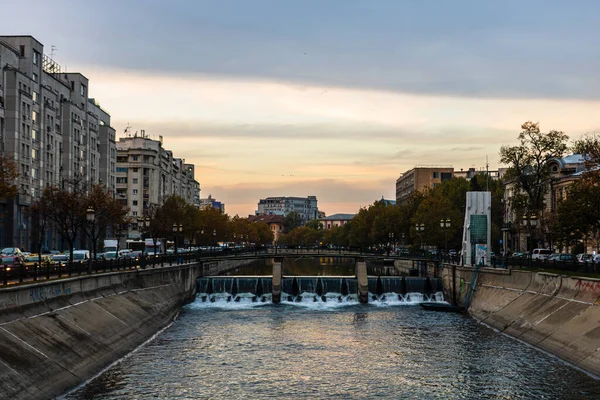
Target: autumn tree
[(107, 212), (528, 162), (66, 211), (39, 215)]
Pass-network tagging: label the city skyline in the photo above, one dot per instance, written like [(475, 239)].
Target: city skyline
[(271, 99)]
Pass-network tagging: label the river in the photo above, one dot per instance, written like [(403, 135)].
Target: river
[(388, 349)]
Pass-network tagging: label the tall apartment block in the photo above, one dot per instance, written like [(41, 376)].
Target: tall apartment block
[(420, 178), (147, 173), (305, 206), (50, 128)]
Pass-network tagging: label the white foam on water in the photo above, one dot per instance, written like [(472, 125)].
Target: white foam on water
[(221, 301), (310, 300)]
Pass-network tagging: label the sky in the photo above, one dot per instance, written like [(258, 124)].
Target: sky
[(331, 98)]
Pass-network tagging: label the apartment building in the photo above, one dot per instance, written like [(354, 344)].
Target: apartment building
[(146, 173), (50, 128), (419, 178), (211, 202), (305, 206)]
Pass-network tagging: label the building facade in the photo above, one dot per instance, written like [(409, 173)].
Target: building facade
[(334, 220), (146, 173), (211, 202), (522, 232), (275, 223), (305, 206), (420, 178), (51, 130)]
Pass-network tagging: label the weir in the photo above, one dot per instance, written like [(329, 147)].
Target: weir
[(359, 288)]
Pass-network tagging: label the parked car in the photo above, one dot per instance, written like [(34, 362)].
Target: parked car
[(9, 251), (562, 257), (81, 255), (585, 258), (32, 259), (540, 254), (12, 265), (136, 255), (60, 259), (518, 254), (109, 255)]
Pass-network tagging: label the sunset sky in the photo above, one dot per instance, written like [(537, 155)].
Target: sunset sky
[(329, 98)]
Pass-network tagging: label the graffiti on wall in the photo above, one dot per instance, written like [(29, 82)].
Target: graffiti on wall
[(48, 292)]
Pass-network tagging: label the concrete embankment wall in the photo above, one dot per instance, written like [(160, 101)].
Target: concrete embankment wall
[(559, 314), (426, 268), (55, 335)]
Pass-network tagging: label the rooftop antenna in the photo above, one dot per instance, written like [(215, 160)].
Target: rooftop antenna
[(52, 50), (127, 131), (487, 174)]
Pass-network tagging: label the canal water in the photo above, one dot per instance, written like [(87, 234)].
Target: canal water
[(388, 349)]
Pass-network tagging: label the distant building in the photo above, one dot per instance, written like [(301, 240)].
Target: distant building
[(387, 202), (305, 206), (147, 173), (275, 223), (336, 220), (210, 202), (420, 178)]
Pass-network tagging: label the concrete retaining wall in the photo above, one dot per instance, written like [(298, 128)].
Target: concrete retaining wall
[(55, 335), (559, 314)]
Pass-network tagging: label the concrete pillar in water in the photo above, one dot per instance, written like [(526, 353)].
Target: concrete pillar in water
[(277, 280), (363, 280)]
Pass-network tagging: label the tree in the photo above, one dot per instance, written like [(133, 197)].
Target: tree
[(66, 211), (588, 146), (39, 214), (107, 212), (576, 216), (8, 175), (528, 161), (314, 224), (292, 221)]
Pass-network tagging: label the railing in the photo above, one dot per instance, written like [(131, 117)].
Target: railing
[(539, 264)]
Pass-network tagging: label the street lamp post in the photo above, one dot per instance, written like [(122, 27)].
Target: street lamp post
[(177, 229), (90, 216), (530, 222), (445, 225), (214, 238), (420, 228)]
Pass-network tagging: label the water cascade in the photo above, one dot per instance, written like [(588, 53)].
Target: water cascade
[(321, 289)]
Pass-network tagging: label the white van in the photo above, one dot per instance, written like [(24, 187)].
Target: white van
[(542, 254)]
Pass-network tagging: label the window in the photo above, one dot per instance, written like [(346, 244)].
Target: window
[(134, 170), (122, 180), (135, 203), (121, 169), (34, 154), (135, 181), (34, 77), (35, 96), (435, 175), (134, 158), (135, 213), (135, 191), (35, 135), (82, 90), (22, 50), (446, 176), (34, 116), (36, 58), (34, 173)]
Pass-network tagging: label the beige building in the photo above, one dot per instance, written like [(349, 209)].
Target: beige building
[(334, 220), (275, 223), (523, 233), (50, 128), (146, 173), (419, 178)]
